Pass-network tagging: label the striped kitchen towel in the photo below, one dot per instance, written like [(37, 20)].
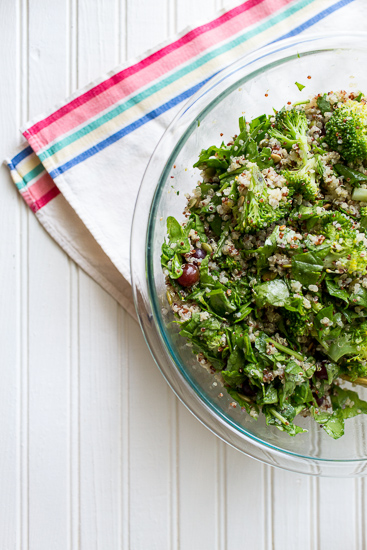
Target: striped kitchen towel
[(81, 165)]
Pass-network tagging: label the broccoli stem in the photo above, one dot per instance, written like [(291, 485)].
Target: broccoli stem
[(318, 150), (305, 102), (360, 194), (228, 174), (279, 416), (245, 398), (282, 348), (354, 177)]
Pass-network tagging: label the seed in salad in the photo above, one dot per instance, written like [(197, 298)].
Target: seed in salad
[(276, 158), (208, 249)]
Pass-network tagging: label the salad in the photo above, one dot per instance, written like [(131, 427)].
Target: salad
[(267, 271)]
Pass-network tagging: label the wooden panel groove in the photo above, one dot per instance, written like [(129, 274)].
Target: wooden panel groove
[(221, 496), (123, 326), (313, 506), (173, 465), (74, 332), (24, 293)]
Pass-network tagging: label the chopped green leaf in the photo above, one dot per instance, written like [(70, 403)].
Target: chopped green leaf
[(299, 86), (323, 104)]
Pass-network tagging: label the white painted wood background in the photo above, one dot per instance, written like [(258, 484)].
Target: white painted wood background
[(96, 452)]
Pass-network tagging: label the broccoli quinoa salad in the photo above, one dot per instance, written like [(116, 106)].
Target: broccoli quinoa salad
[(267, 272)]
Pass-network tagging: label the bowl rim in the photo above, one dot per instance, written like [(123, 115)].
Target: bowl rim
[(148, 305)]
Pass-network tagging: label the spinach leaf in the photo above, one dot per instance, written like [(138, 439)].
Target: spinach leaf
[(245, 403), (243, 312), (167, 254), (222, 239), (177, 237), (174, 229), (348, 401), (293, 376), (346, 404), (258, 127), (216, 225), (274, 292), (262, 157), (283, 418), (353, 177), (323, 104), (211, 206), (255, 373), (247, 349), (220, 303), (242, 124), (199, 227), (235, 361), (359, 298), (262, 254), (343, 346), (334, 289), (176, 269), (270, 395), (326, 312), (233, 374), (307, 266), (332, 371), (206, 280), (233, 378), (214, 157), (333, 424), (302, 394)]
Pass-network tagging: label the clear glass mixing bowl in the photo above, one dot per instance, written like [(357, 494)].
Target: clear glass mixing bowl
[(252, 85)]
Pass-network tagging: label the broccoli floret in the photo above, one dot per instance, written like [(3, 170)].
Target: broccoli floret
[(347, 245), (333, 218), (346, 131), (290, 129), (259, 210), (295, 323), (304, 179)]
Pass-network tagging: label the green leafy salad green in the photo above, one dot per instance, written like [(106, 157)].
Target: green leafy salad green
[(267, 272)]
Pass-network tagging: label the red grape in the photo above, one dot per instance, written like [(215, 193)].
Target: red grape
[(199, 254), (190, 275), (322, 373)]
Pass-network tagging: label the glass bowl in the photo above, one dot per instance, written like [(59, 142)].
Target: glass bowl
[(252, 85)]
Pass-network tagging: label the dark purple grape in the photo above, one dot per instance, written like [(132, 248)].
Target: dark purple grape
[(190, 275), (319, 400), (246, 389), (199, 254), (322, 373)]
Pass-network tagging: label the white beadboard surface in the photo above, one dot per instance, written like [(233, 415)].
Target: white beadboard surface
[(96, 452)]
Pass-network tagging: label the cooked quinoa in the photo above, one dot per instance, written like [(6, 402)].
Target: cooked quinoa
[(267, 271)]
